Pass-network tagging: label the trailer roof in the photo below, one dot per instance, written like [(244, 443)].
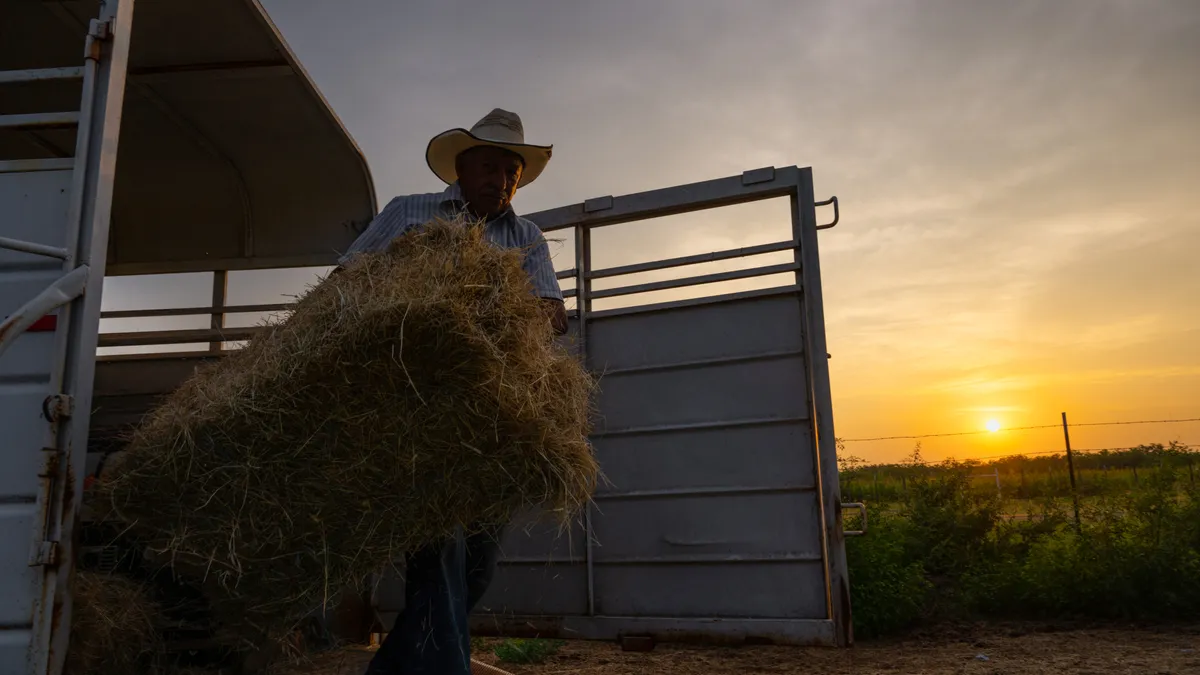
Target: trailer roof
[(229, 156)]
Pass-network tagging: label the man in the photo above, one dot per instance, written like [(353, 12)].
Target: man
[(483, 168)]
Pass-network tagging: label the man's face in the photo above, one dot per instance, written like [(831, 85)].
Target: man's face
[(488, 177)]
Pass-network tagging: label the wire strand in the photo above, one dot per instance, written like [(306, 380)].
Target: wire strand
[(1042, 426)]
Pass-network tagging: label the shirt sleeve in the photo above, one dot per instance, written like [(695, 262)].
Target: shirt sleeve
[(541, 270), (386, 226)]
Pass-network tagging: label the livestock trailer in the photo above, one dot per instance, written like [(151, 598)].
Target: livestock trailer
[(135, 138), (134, 142)]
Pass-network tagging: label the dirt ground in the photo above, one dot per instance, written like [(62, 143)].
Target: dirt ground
[(1017, 649)]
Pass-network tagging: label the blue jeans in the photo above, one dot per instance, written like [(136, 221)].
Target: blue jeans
[(442, 584)]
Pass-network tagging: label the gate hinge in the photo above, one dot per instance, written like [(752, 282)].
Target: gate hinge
[(58, 407), (100, 30), (45, 554)]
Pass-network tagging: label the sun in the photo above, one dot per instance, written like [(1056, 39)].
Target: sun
[(993, 426)]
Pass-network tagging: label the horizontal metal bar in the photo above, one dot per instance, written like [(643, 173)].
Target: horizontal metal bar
[(837, 214), (681, 559), (37, 120), (699, 280), (541, 560), (566, 274), (650, 308), (200, 354), (670, 201), (194, 311), (797, 632), (329, 260), (34, 248), (697, 426), (693, 259), (570, 293), (701, 363), (41, 74), (710, 558), (31, 165), (721, 491), (177, 337), (194, 72)]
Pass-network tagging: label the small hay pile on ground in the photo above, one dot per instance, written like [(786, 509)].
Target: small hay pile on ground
[(418, 390), (114, 627)]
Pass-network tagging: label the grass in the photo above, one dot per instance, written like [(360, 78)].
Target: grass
[(946, 550), (526, 650), (1024, 478)]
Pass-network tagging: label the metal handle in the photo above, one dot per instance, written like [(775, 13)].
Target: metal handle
[(836, 212), (862, 510), (34, 248)]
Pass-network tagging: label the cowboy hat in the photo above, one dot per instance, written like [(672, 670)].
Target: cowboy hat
[(498, 128)]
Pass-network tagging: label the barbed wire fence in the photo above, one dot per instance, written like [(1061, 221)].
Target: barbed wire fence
[(1074, 477)]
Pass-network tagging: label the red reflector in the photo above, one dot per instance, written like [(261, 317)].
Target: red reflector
[(45, 324)]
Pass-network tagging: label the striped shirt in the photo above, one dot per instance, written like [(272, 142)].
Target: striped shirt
[(508, 230)]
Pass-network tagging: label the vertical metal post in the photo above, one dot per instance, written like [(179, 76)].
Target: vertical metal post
[(106, 57), (808, 277), (219, 291), (1071, 472), (583, 307)]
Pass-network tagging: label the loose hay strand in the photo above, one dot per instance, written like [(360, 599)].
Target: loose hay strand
[(422, 386), (114, 626)]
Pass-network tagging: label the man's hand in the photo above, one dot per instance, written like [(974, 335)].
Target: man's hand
[(558, 315)]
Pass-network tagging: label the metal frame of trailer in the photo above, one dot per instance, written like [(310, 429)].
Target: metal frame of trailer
[(229, 158)]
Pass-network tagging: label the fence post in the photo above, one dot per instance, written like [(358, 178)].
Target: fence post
[(1071, 472), (220, 290)]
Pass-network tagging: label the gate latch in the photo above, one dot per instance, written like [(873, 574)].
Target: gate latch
[(862, 510)]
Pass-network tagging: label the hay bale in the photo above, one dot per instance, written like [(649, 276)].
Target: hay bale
[(114, 626), (417, 391)]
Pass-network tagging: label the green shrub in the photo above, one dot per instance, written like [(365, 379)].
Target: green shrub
[(527, 650), (887, 587), (948, 551), (1136, 556), (950, 525)]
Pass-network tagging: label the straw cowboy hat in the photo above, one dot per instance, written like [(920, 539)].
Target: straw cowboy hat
[(498, 128)]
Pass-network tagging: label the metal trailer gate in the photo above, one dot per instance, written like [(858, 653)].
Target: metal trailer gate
[(721, 517), (52, 259)]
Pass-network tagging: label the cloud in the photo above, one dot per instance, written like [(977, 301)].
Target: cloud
[(1017, 178)]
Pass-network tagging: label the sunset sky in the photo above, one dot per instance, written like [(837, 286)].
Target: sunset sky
[(1020, 228)]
